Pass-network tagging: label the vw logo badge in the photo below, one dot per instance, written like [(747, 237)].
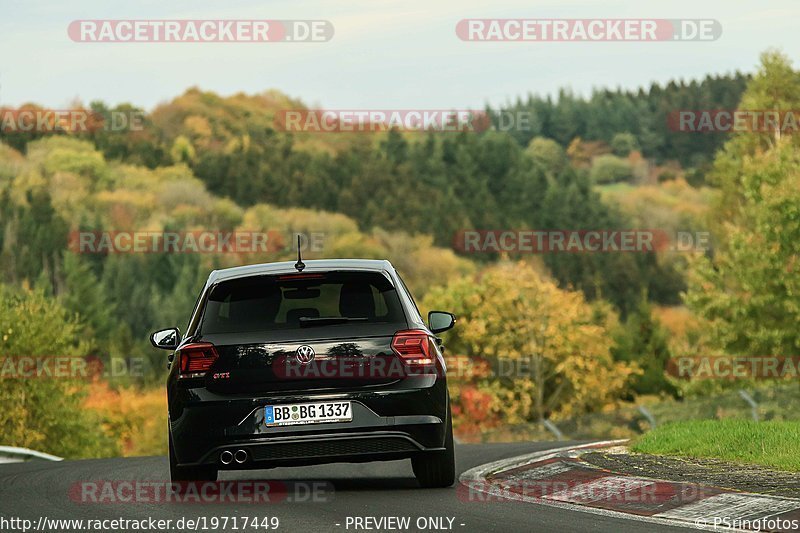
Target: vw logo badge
[(305, 354)]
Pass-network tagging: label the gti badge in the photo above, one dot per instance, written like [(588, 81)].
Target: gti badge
[(305, 354)]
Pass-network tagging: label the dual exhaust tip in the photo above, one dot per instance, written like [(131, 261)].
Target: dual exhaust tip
[(227, 457)]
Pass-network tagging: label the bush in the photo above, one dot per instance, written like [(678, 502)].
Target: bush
[(135, 418), (666, 175), (548, 153), (623, 144), (610, 169), (45, 414)]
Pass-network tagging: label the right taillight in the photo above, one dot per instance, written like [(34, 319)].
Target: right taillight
[(413, 346), (196, 359)]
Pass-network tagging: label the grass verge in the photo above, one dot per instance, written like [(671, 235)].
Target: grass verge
[(775, 444)]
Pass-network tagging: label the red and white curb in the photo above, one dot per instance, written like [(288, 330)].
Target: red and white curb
[(560, 478)]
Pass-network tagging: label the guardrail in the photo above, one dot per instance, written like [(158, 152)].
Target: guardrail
[(760, 402), (13, 454)]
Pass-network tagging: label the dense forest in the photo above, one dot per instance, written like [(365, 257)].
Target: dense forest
[(643, 114), (435, 183)]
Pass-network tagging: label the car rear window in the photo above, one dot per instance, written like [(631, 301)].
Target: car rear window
[(295, 301)]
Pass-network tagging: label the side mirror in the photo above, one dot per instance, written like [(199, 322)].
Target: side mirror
[(166, 339), (439, 321)]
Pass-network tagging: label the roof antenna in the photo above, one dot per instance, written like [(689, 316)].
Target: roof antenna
[(299, 265)]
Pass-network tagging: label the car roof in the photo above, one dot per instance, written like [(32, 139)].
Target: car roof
[(312, 265)]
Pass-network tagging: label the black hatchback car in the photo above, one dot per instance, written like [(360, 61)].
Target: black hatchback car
[(295, 364)]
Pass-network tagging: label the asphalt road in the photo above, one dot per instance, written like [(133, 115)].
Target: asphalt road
[(42, 489)]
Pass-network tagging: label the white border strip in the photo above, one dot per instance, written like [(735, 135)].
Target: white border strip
[(13, 451), (475, 479), (483, 471)]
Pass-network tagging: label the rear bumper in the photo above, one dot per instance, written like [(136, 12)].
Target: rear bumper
[(387, 424), (320, 448)]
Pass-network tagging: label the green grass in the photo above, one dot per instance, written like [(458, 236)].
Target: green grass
[(775, 444)]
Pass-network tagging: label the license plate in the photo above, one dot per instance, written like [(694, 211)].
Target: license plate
[(307, 413)]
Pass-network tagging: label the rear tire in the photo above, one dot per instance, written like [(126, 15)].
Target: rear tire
[(437, 469), (188, 473)]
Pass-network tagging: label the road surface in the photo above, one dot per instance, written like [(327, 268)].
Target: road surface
[(364, 497)]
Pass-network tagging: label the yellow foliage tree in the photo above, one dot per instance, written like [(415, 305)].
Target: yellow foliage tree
[(549, 349)]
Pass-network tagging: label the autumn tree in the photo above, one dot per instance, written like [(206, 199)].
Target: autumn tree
[(550, 350), (44, 412), (749, 291)]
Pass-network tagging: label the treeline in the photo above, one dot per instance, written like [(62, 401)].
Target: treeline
[(429, 183), (642, 113), (411, 187), (206, 161), (480, 180), (64, 185)]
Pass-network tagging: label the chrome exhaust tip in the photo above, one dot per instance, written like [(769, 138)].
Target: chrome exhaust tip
[(226, 457), (240, 456)]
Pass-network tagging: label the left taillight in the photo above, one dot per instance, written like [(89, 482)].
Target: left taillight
[(195, 359), (413, 346)]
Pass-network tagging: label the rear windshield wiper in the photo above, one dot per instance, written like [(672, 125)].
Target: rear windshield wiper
[(306, 321)]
